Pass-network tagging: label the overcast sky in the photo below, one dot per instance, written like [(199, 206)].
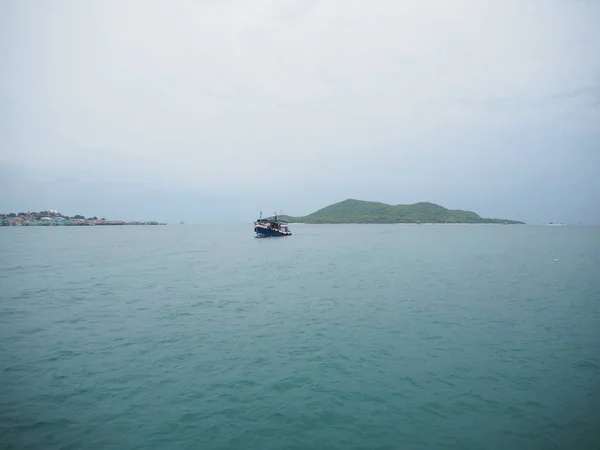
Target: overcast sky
[(177, 110)]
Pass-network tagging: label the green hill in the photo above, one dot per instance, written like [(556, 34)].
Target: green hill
[(358, 211)]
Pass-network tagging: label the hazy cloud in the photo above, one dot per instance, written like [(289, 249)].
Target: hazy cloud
[(484, 105)]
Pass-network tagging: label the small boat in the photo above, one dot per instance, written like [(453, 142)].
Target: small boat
[(271, 227)]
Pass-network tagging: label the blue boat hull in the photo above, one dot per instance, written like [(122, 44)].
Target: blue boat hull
[(269, 232)]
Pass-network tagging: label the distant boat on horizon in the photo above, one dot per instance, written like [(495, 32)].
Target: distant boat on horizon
[(271, 227)]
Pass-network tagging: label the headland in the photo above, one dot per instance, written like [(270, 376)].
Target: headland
[(359, 211)]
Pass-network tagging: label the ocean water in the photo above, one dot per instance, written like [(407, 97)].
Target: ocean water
[(339, 337)]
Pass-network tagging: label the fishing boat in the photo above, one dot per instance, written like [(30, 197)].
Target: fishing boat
[(271, 227)]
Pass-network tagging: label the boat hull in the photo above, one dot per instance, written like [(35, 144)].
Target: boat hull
[(270, 232)]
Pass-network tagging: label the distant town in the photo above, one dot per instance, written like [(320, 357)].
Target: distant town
[(53, 218)]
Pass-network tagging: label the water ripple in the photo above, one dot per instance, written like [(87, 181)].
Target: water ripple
[(408, 337)]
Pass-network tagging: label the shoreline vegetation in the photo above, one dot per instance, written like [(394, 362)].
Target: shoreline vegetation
[(359, 211), (54, 218)]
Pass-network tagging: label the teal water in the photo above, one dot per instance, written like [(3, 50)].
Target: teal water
[(339, 337)]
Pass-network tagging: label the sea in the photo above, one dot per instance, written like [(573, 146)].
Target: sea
[(338, 337)]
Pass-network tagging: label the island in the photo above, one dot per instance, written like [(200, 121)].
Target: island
[(359, 211), (54, 218)]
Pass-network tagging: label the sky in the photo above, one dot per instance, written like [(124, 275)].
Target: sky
[(188, 110)]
